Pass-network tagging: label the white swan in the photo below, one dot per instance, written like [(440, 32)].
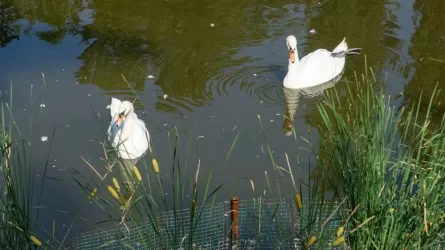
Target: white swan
[(317, 67), (126, 132)]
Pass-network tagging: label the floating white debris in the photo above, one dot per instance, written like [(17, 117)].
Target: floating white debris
[(165, 96), (254, 74), (89, 94), (278, 114), (271, 120), (261, 101), (54, 166), (77, 82), (312, 31), (200, 136), (150, 76), (42, 105), (212, 25), (44, 138), (24, 109), (67, 125)]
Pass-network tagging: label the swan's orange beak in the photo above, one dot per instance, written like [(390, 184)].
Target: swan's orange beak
[(120, 119), (291, 55)]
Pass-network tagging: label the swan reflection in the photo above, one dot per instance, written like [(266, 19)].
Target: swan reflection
[(294, 96)]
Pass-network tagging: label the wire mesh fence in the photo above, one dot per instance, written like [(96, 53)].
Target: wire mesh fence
[(253, 224)]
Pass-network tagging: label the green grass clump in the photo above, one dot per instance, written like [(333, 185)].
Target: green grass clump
[(390, 166), (16, 187)]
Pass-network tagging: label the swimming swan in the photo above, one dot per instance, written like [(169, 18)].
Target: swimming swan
[(317, 67), (126, 132)]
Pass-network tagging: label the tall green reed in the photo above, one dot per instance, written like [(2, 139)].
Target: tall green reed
[(390, 167)]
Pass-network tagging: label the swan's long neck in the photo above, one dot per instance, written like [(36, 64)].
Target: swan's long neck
[(127, 128)]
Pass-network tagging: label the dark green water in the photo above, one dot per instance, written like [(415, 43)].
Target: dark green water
[(216, 65)]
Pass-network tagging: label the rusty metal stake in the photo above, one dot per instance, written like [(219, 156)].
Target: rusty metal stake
[(234, 207)]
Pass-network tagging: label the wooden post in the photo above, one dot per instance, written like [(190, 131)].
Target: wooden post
[(234, 207)]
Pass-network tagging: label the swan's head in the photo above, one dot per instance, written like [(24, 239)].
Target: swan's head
[(291, 42), (125, 108)]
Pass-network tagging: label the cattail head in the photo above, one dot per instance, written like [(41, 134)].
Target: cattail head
[(155, 165), (340, 231), (116, 184), (338, 241), (36, 241), (311, 241), (298, 200), (113, 192), (137, 174), (92, 194)]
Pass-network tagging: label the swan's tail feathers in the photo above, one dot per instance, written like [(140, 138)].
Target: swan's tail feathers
[(353, 51), (342, 50), (342, 46)]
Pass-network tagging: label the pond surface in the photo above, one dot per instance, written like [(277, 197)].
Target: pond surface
[(207, 67)]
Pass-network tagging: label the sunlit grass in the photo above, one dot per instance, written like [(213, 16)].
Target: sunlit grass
[(391, 168)]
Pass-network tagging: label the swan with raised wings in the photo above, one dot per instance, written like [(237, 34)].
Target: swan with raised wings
[(317, 67), (126, 132)]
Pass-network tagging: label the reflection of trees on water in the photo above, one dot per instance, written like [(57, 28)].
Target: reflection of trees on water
[(60, 15), (117, 44), (172, 40), (107, 57), (428, 53), (9, 31), (366, 24)]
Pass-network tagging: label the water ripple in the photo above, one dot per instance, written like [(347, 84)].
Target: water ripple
[(263, 82)]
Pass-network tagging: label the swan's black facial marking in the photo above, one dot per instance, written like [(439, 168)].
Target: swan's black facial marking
[(120, 118)]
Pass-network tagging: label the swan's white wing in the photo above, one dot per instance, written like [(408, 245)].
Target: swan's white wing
[(142, 137), (319, 67), (114, 107), (133, 143)]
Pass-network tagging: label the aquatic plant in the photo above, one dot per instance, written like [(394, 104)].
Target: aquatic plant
[(391, 168)]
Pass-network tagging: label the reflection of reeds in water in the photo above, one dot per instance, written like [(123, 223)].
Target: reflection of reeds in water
[(293, 97)]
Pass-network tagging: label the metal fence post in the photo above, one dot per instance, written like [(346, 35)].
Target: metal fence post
[(234, 211)]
